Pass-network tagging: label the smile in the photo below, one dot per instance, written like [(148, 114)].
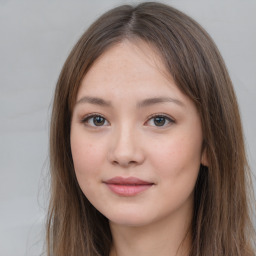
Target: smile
[(130, 186)]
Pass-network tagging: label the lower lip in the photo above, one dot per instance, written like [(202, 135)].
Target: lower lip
[(128, 190)]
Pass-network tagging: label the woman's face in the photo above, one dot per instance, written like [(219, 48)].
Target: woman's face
[(136, 139)]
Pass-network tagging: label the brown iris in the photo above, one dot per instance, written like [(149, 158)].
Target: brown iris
[(159, 121), (98, 120)]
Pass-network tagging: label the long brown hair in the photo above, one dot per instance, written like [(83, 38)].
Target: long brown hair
[(221, 223)]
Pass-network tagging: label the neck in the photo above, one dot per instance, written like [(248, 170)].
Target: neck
[(165, 238)]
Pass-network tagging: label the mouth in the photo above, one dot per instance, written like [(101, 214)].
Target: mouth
[(130, 186)]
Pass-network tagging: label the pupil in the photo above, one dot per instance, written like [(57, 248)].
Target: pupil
[(159, 121), (98, 120)]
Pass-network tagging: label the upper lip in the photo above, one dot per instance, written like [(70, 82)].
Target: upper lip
[(127, 181)]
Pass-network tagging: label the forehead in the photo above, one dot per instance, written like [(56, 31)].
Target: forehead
[(128, 66)]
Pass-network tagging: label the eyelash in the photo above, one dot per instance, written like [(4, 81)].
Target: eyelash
[(90, 116), (167, 119)]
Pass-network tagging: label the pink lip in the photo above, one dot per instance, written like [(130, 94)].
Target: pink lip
[(130, 186)]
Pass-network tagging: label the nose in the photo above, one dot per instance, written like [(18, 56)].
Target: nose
[(126, 149)]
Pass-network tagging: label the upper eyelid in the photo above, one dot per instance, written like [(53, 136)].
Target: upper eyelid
[(87, 117), (149, 117), (91, 115), (162, 115), (169, 119)]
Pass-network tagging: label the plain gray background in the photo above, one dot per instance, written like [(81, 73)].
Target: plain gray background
[(35, 39)]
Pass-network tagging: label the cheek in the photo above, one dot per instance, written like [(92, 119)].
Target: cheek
[(87, 156), (177, 156), (176, 163)]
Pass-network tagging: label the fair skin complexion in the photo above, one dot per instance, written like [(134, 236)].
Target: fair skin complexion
[(131, 120)]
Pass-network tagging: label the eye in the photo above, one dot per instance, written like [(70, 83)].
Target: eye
[(95, 120), (160, 120)]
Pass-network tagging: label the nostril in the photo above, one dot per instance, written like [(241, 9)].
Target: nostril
[(125, 153), (124, 163), (132, 162), (115, 162)]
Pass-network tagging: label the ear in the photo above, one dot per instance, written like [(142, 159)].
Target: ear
[(204, 159)]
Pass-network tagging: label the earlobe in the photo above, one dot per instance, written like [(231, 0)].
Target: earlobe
[(204, 159)]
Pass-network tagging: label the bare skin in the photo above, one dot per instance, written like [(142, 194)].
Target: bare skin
[(117, 130)]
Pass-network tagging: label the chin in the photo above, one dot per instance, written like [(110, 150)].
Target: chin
[(129, 218), (129, 221)]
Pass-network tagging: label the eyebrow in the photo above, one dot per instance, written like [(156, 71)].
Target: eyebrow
[(94, 101), (141, 104), (156, 100)]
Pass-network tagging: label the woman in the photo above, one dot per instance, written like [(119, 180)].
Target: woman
[(147, 152)]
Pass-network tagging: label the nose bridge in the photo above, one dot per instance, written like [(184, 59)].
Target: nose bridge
[(126, 148), (124, 140)]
